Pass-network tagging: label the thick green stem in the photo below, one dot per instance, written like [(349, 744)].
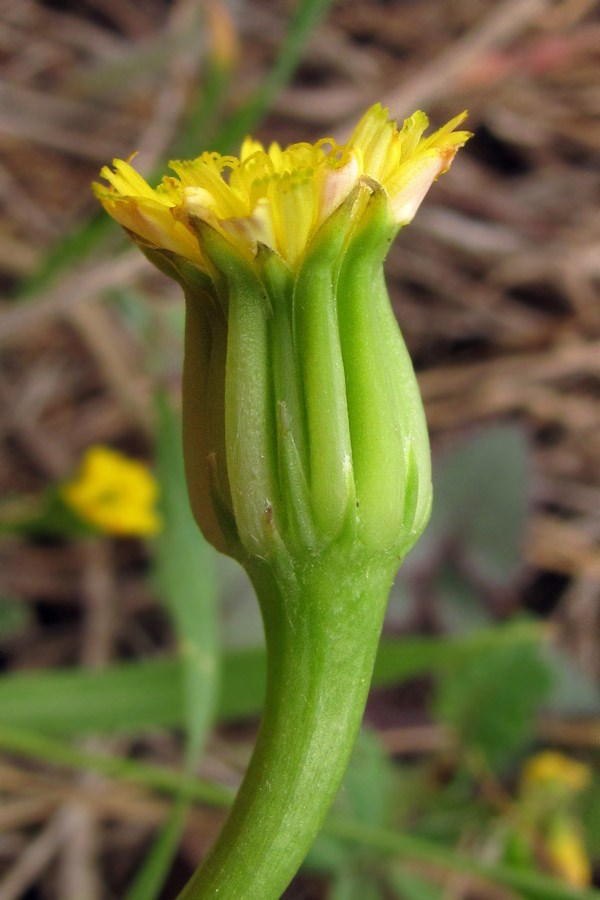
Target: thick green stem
[(322, 642)]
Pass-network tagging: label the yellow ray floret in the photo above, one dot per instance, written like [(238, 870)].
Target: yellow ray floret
[(115, 494), (276, 196)]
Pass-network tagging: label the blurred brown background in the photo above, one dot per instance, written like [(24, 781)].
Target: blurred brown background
[(495, 284)]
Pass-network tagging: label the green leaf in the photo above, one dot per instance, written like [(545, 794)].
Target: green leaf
[(141, 696), (354, 886), (15, 618), (491, 698), (365, 795), (459, 603), (133, 309), (444, 807), (574, 692), (328, 855), (412, 887), (368, 781), (591, 819), (342, 886), (481, 502), (185, 574), (410, 657)]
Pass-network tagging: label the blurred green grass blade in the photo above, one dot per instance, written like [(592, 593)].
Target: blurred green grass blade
[(413, 887), (307, 16), (127, 697), (141, 696), (528, 885), (149, 55), (200, 128), (135, 696), (352, 885), (15, 617), (490, 700), (84, 239), (482, 489), (368, 782), (29, 744), (186, 577), (367, 795), (150, 879), (407, 657), (70, 251)]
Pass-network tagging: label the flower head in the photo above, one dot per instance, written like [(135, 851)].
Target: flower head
[(302, 421), (280, 197), (114, 494), (305, 443)]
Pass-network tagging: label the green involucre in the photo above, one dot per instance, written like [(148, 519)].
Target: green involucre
[(307, 459), (304, 423)]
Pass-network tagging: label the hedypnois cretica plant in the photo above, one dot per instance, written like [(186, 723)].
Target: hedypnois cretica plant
[(306, 448)]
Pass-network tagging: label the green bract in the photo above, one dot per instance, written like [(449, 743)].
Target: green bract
[(303, 424)]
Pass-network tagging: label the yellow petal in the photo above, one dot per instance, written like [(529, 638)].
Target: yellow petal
[(337, 184), (154, 223), (410, 185), (282, 195)]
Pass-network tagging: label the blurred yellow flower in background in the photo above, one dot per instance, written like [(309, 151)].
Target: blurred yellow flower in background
[(567, 853), (115, 494), (553, 769), (549, 787)]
